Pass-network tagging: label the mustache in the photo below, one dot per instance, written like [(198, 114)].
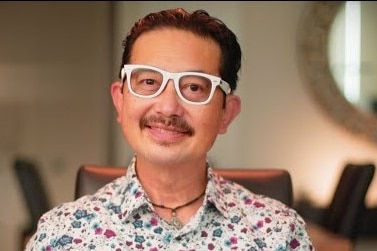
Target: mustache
[(176, 122)]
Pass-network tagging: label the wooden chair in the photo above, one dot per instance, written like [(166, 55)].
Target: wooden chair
[(275, 183)]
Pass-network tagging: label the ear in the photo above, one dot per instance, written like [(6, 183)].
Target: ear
[(117, 96), (231, 110)]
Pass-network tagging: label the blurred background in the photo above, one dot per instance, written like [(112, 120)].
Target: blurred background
[(58, 59)]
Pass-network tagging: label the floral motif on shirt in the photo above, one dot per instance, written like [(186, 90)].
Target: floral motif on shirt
[(120, 217)]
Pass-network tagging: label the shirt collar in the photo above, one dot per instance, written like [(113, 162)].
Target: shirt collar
[(135, 197), (217, 193)]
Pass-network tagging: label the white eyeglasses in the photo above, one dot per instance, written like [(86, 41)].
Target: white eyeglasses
[(192, 87)]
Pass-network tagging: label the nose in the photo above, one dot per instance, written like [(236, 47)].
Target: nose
[(168, 102)]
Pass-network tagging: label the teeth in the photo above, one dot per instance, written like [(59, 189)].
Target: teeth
[(170, 130), (167, 128)]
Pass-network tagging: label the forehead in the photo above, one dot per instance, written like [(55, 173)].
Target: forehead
[(176, 49)]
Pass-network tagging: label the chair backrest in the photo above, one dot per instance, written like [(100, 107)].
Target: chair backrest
[(275, 183), (33, 189), (347, 208)]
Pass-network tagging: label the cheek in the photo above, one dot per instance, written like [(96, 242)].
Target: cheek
[(131, 113), (208, 130), (210, 117), (129, 122), (210, 121)]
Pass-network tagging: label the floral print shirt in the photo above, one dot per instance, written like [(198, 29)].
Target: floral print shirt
[(119, 216)]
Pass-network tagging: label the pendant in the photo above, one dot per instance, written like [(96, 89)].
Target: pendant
[(175, 222)]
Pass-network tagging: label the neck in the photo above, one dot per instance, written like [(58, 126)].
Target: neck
[(175, 191), (188, 203), (172, 185), (174, 220)]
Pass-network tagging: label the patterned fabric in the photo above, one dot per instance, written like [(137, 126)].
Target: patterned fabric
[(119, 216)]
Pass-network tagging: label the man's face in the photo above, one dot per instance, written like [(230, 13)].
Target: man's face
[(165, 130)]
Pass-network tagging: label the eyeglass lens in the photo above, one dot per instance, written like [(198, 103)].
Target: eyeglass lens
[(147, 82)]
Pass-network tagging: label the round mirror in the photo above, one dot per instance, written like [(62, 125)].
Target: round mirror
[(338, 63), (353, 55)]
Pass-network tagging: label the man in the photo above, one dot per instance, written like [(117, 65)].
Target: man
[(178, 74)]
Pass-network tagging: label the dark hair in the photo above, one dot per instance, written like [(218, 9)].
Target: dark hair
[(199, 22)]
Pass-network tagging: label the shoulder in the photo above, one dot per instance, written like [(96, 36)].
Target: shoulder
[(259, 204), (88, 204), (268, 222), (254, 207), (66, 223), (264, 215)]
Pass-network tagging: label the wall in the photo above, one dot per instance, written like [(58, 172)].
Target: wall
[(55, 65), (57, 60)]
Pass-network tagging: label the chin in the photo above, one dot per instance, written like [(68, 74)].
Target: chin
[(166, 157)]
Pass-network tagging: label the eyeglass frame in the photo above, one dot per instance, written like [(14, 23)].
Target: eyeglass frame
[(175, 76)]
